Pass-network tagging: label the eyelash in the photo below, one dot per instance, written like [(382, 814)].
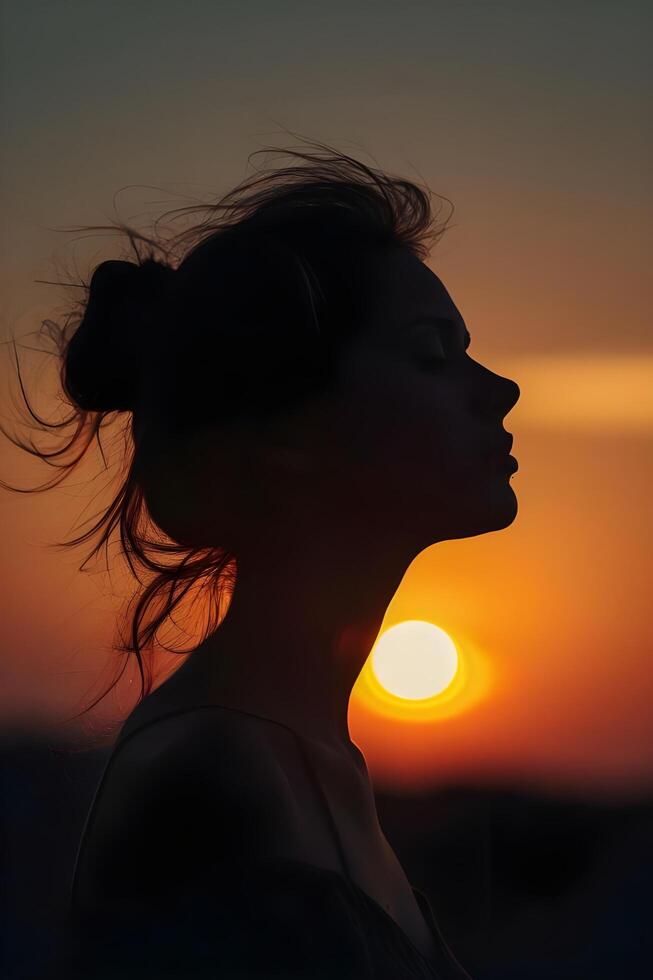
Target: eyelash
[(441, 355), (437, 357)]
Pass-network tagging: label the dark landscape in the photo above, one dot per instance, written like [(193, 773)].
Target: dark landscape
[(560, 887)]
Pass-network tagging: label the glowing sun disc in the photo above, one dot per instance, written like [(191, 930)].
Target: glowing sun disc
[(415, 660)]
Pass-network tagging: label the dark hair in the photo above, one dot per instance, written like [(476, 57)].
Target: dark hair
[(271, 282)]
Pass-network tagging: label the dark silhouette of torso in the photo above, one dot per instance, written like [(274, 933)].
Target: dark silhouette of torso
[(319, 824)]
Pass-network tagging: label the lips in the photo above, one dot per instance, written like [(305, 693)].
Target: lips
[(505, 446), (502, 455)]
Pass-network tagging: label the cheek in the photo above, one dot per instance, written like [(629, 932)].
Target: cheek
[(409, 457), (434, 437), (408, 427)]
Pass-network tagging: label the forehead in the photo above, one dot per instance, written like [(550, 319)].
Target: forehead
[(403, 287)]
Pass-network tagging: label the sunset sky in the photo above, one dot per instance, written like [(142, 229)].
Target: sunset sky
[(533, 119)]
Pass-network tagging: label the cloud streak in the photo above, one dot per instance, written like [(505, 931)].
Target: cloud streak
[(593, 393)]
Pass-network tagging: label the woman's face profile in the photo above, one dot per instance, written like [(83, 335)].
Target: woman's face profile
[(416, 429), (405, 449)]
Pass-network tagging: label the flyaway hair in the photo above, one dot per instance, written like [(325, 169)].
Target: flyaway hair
[(239, 315)]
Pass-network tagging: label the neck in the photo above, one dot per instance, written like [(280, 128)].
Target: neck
[(295, 638)]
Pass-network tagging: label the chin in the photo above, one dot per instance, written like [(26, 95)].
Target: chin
[(492, 514), (494, 511), (505, 511)]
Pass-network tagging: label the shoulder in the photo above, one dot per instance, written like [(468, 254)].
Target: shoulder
[(219, 762), (193, 797), (212, 751)]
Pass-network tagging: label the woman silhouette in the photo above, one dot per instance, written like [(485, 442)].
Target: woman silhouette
[(305, 421)]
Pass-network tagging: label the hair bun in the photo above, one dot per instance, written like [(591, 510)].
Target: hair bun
[(106, 354)]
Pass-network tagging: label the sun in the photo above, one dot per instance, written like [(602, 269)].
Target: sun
[(416, 673), (415, 660)]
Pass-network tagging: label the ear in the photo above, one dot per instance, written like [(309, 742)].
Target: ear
[(276, 457), (287, 443)]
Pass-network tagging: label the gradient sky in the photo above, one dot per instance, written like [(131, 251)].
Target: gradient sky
[(534, 120)]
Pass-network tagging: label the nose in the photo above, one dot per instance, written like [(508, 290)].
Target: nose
[(503, 394), (491, 393), (512, 392)]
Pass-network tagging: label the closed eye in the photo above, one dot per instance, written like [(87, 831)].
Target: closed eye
[(434, 349), (444, 327)]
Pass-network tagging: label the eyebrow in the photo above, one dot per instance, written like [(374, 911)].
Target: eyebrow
[(442, 321)]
